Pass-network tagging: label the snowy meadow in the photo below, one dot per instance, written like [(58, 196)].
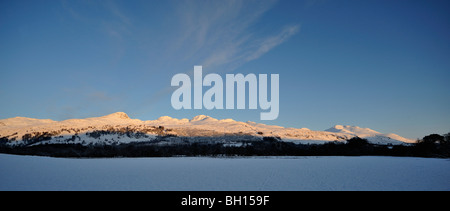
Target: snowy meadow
[(223, 174)]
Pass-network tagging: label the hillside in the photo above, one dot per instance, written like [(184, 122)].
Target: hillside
[(119, 128)]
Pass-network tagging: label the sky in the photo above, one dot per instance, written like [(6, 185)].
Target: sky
[(379, 64)]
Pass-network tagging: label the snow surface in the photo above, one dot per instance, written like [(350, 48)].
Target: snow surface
[(206, 173)]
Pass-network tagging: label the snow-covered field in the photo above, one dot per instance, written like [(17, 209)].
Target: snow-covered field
[(243, 173)]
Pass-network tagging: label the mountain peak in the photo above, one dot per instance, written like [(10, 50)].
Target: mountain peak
[(118, 115), (201, 118)]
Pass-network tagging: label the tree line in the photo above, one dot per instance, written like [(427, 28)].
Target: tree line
[(433, 145)]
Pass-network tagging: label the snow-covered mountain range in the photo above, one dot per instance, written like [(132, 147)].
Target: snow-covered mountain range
[(119, 128)]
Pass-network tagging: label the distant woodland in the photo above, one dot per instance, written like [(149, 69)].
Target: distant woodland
[(433, 145)]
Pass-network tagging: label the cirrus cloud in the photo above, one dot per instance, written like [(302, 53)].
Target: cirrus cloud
[(222, 35)]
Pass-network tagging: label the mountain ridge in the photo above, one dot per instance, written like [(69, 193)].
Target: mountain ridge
[(15, 129)]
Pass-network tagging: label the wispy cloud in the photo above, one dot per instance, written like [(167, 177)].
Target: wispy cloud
[(266, 44), (222, 35)]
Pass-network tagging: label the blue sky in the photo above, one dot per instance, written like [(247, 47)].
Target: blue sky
[(378, 64)]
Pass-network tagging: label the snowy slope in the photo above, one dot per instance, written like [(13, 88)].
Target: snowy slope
[(120, 128), (23, 122), (71, 130), (369, 134), (199, 124)]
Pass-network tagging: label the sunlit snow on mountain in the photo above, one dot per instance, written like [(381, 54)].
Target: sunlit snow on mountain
[(19, 130)]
